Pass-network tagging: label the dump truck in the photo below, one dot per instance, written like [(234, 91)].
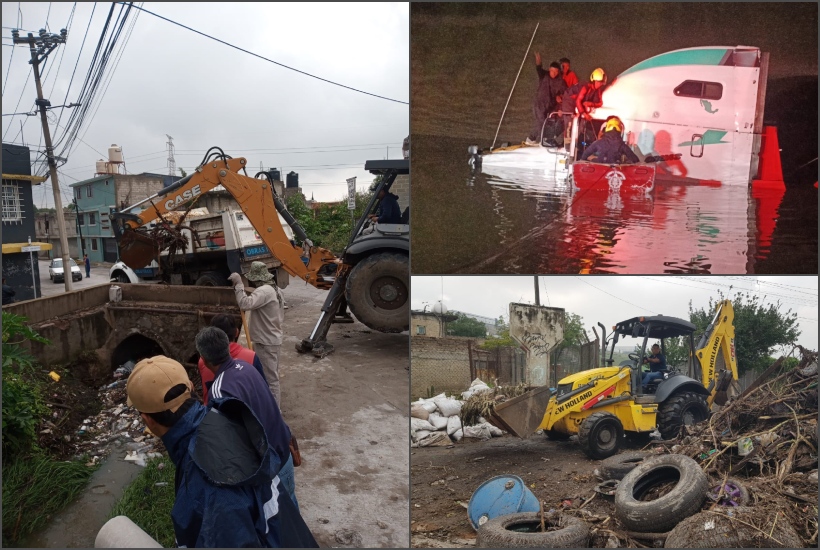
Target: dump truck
[(371, 276), (603, 405)]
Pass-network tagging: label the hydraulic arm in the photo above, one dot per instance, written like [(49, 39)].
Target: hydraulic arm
[(256, 199), (716, 349)]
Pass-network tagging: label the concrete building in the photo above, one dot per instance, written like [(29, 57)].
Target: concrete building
[(20, 272), (96, 197), (45, 227), (429, 324)]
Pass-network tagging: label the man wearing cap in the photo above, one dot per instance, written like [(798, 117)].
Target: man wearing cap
[(227, 493), (236, 378), (267, 305)]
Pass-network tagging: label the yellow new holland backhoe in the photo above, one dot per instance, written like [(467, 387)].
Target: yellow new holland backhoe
[(602, 405)]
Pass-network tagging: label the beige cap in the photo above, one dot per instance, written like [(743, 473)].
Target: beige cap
[(150, 381)]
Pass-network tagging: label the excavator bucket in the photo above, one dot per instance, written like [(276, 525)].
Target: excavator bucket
[(137, 250), (522, 415)]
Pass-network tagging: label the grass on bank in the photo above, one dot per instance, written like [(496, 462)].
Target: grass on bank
[(34, 488), (149, 505)]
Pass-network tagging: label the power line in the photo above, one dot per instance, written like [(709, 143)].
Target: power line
[(616, 297), (272, 61)]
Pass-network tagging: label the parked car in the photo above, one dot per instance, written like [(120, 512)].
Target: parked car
[(55, 270)]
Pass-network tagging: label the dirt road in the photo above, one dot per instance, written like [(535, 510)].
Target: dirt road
[(349, 412), (443, 478)]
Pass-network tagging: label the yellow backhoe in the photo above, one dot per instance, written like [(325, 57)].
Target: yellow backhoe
[(602, 405)]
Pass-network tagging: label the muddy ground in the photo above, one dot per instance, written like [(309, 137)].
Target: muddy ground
[(443, 480)]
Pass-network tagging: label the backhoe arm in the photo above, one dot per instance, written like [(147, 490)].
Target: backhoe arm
[(718, 342), (254, 197)]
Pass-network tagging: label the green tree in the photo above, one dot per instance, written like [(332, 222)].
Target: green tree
[(331, 224), (503, 340), (466, 326), (183, 172), (760, 328), (573, 335)]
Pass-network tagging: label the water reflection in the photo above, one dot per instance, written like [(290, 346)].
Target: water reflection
[(521, 221)]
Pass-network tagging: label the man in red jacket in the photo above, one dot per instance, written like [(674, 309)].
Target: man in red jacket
[(228, 326)]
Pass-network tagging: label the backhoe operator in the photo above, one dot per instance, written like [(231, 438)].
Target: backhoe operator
[(657, 365)]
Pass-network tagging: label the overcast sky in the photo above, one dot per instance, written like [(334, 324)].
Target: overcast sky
[(611, 299), (170, 80)]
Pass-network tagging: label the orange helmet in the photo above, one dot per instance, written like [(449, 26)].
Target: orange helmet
[(598, 75)]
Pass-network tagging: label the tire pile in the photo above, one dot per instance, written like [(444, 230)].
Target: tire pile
[(699, 491)]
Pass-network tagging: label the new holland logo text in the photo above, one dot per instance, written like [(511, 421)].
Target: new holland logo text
[(574, 401), (170, 204)]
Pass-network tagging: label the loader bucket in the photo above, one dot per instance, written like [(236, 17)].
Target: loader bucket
[(137, 250), (522, 415)]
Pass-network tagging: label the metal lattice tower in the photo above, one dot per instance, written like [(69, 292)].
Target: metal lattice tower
[(172, 164)]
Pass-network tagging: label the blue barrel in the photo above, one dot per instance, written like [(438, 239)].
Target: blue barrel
[(500, 496)]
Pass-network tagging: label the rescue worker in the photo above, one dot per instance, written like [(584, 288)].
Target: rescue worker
[(611, 149), (548, 97), (570, 78), (590, 95)]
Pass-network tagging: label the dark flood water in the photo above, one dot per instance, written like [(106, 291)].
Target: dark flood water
[(463, 64), (522, 223)]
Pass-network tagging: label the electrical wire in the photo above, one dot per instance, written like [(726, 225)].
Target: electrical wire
[(271, 60), (616, 297)]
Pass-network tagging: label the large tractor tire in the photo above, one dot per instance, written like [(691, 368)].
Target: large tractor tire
[(600, 435), (523, 531), (683, 409), (678, 480), (212, 278), (617, 466), (377, 292), (734, 527)]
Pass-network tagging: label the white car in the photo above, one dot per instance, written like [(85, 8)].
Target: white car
[(121, 273), (55, 270)]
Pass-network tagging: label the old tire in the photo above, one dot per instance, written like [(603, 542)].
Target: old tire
[(684, 409), (663, 513), (377, 292), (497, 533), (211, 278), (121, 277), (617, 466), (728, 533), (555, 435), (600, 435)]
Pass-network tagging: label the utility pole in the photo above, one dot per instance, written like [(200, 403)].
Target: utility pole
[(79, 227), (40, 47), (537, 295)]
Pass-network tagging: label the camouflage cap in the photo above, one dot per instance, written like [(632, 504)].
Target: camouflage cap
[(259, 272)]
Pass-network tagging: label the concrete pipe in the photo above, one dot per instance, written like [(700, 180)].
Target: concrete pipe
[(121, 532)]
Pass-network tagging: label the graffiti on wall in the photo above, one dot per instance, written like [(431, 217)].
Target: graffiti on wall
[(537, 343)]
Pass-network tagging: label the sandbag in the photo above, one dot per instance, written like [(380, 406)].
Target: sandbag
[(439, 422), (494, 431), (458, 435), (421, 434), (453, 424), (435, 439), (417, 411), (448, 406), (478, 432), (417, 424)]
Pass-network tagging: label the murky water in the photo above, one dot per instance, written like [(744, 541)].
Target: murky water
[(517, 221), (463, 64)]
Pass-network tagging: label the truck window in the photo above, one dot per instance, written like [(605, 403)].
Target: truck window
[(699, 89)]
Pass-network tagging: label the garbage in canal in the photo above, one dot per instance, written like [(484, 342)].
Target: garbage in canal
[(54, 376), (124, 370), (500, 496)]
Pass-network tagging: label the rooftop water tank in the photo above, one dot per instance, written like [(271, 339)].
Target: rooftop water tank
[(102, 167), (292, 180), (439, 308), (115, 154)]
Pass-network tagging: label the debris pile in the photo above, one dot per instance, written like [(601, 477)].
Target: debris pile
[(441, 420), (116, 427), (767, 438)]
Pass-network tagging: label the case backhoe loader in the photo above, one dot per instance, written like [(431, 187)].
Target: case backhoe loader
[(371, 276), (602, 405)]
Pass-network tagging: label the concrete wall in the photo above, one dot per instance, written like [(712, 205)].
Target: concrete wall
[(84, 323), (17, 272), (401, 187), (538, 329), (438, 365), (17, 161)]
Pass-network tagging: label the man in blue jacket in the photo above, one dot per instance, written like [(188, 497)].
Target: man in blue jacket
[(236, 378), (389, 209), (227, 493)]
